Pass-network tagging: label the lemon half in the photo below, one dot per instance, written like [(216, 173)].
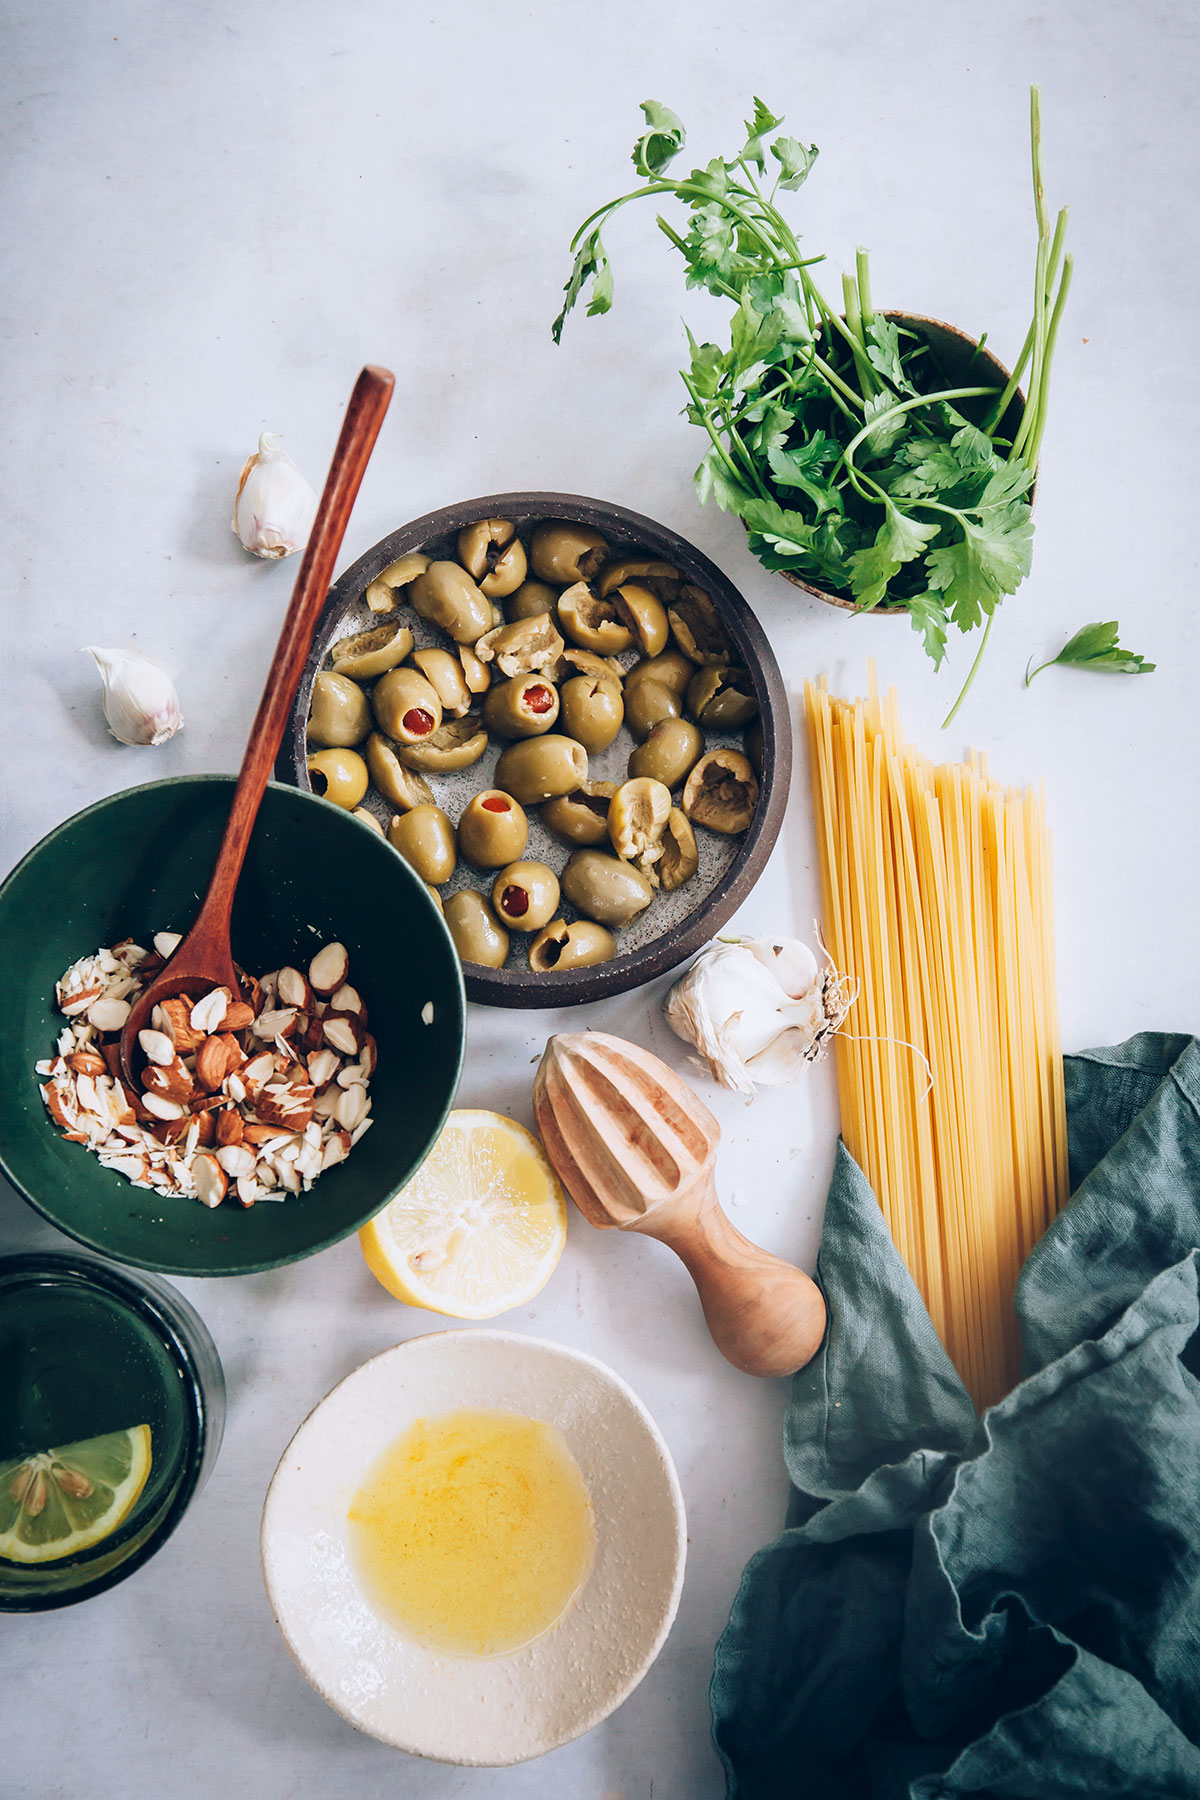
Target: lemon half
[(59, 1502), (479, 1228)]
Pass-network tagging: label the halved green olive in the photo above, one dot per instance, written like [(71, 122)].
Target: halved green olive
[(394, 781), (697, 628), (525, 895), (448, 598), (754, 746), (530, 599), (644, 616), (604, 888), (721, 792), (637, 819), (338, 714), (494, 555), (522, 647), (537, 769), (562, 552), (406, 706), (371, 653), (580, 817), (574, 661), (368, 818), (671, 670), (456, 744), (476, 674), (721, 698), (592, 623), (680, 858), (338, 775), (526, 706), (381, 594), (444, 673), (647, 704), (633, 568), (478, 935), (493, 829), (673, 747), (592, 710), (575, 946), (425, 839)]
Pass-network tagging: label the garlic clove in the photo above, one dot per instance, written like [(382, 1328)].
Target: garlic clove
[(791, 962), (140, 701), (275, 506)]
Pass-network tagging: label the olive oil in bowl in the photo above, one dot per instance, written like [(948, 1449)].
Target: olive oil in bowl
[(473, 1533)]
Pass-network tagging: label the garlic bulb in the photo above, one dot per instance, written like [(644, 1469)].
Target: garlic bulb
[(275, 507), (140, 702), (757, 1010)]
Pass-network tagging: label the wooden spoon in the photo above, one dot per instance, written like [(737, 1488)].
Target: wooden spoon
[(204, 960), (635, 1148)]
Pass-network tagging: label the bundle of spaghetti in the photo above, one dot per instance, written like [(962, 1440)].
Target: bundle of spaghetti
[(936, 884)]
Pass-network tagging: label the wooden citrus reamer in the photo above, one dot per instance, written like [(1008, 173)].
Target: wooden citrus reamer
[(635, 1148), (204, 960)]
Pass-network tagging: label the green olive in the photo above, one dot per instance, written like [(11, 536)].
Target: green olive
[(562, 552), (523, 647), (637, 819), (525, 895), (592, 623), (435, 897), (696, 627), (526, 706), (476, 674), (530, 599), (592, 711), (580, 817), (721, 698), (381, 594), (406, 706), (680, 858), (633, 568), (448, 598), (368, 818), (574, 661), (604, 888), (494, 555), (339, 715), (394, 781), (574, 946), (478, 935), (493, 829), (669, 753), (721, 792), (338, 775), (645, 617), (671, 670), (425, 839), (456, 744), (537, 769), (371, 653), (647, 704), (444, 673)]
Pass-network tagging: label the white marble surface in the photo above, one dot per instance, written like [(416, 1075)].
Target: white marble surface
[(216, 214)]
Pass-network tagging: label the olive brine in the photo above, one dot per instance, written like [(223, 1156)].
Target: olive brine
[(549, 647)]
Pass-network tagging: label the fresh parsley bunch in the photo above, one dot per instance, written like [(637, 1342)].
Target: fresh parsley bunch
[(832, 434)]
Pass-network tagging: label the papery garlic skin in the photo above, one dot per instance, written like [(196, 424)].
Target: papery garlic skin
[(275, 506), (757, 1011), (140, 701)]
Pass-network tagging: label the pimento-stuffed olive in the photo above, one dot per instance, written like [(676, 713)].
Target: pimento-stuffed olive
[(493, 829), (525, 895), (526, 706)]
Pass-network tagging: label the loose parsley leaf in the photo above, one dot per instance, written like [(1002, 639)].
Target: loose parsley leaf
[(591, 263), (660, 143), (1096, 647), (794, 158)]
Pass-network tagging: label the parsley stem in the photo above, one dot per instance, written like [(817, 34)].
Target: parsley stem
[(854, 326), (987, 632), (903, 406), (863, 268), (1034, 446), (718, 446)]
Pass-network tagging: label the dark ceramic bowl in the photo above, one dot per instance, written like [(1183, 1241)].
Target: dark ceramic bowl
[(137, 863), (674, 926)]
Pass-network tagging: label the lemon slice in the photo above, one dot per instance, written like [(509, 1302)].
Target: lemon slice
[(480, 1226), (59, 1502)]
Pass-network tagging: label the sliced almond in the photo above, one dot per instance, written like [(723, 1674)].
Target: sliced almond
[(159, 1107), (293, 989), (336, 1150), (368, 1054), (88, 1062), (170, 1081), (177, 1017), (205, 1128), (167, 942), (210, 1180), (348, 1000), (257, 1134), (159, 1048), (342, 1032), (238, 1017), (235, 1159), (216, 1056), (229, 1126), (73, 1004), (351, 1107), (256, 1073), (248, 1190), (108, 1014), (328, 969), (208, 1014), (322, 1067)]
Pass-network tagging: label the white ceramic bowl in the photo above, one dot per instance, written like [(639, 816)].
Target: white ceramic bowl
[(487, 1711)]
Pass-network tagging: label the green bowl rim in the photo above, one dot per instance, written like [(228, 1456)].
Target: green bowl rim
[(336, 1237)]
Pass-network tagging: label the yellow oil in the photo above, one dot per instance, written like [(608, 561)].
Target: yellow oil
[(473, 1532)]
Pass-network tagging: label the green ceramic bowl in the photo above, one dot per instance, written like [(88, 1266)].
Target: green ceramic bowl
[(136, 864)]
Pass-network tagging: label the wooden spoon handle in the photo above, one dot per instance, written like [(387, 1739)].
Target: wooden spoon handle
[(360, 428), (766, 1316)]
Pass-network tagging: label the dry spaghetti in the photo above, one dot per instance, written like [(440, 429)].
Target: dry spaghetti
[(937, 900)]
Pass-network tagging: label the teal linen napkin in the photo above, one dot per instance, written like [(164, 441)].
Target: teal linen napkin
[(1003, 1606)]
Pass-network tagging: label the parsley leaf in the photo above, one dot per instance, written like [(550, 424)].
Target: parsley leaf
[(660, 143), (591, 263), (795, 160), (756, 130), (898, 540), (1096, 647), (990, 559), (929, 618)]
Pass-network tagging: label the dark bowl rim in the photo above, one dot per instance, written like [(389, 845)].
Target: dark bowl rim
[(633, 969), (264, 1265)]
